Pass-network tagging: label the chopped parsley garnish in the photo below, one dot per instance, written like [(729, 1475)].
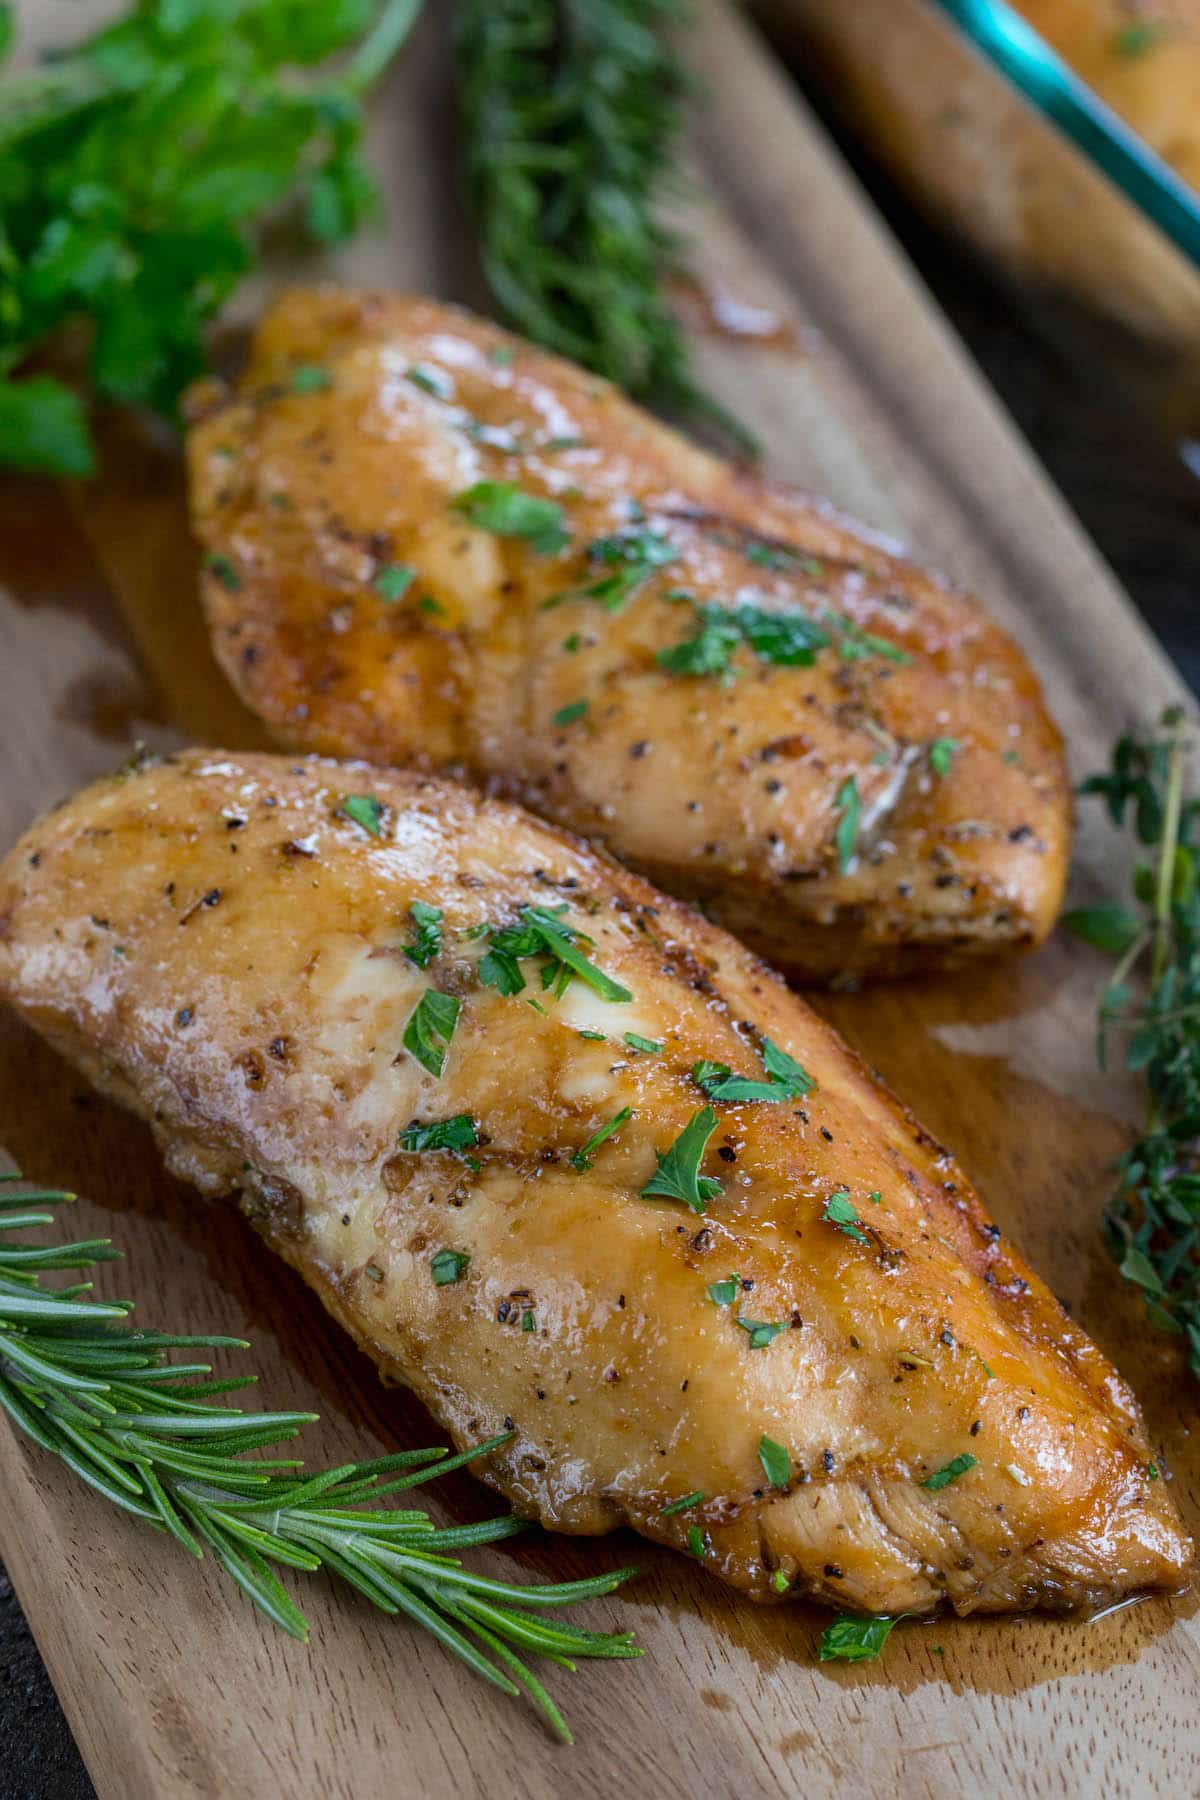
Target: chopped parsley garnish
[(856, 645), (567, 715), (854, 1640), (310, 378), (430, 1028), (394, 581), (428, 942), (786, 1079), (528, 1322), (582, 1158), (788, 639), (695, 1540), (683, 1505), (458, 1133), (840, 1211), (428, 604), (776, 556), (449, 1266), (632, 557), (432, 381), (648, 1045), (1135, 38), (761, 1332), (780, 1582), (777, 1464), (571, 644), (594, 1037), (502, 507), (942, 752), (951, 1472), (678, 1175), (542, 931), (709, 650), (365, 811), (224, 571), (724, 1293), (849, 805)]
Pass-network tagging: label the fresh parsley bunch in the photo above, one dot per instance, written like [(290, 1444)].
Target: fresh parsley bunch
[(135, 173)]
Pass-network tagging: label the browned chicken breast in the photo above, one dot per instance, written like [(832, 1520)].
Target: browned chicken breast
[(565, 1158), (428, 543)]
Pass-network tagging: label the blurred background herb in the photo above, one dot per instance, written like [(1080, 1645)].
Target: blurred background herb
[(135, 173)]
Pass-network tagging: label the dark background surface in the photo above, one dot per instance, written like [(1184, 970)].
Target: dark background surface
[(1129, 486)]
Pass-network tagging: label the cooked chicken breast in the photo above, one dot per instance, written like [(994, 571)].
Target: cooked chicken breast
[(612, 1187), (428, 543)]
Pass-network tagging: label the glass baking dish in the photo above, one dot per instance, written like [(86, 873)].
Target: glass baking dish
[(1007, 147)]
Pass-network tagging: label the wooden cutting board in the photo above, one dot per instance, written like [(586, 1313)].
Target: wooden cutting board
[(173, 1686)]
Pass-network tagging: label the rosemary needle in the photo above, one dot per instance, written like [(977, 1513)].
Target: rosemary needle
[(146, 1433), (570, 113)]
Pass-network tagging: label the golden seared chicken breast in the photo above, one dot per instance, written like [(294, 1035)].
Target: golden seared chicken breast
[(427, 543), (564, 1158)]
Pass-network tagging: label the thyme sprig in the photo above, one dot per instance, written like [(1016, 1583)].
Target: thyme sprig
[(570, 113), (1152, 1223), (145, 1433)]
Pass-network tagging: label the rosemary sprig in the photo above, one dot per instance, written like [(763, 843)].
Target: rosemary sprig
[(570, 112), (1152, 1224), (145, 1433)]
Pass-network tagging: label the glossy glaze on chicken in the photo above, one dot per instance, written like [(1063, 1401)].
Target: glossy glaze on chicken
[(430, 544), (619, 1189)]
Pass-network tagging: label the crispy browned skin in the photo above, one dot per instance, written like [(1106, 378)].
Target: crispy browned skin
[(729, 792), (217, 945)]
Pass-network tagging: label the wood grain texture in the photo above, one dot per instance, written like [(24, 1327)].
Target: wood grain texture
[(172, 1685)]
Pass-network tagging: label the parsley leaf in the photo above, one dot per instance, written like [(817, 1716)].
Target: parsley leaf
[(851, 1639), (684, 1504), (365, 811), (649, 1046), (633, 557), (678, 1176), (394, 581), (840, 1211), (943, 1477), (567, 715), (430, 1028), (849, 803), (790, 640), (139, 169), (543, 931), (762, 1333), (458, 1133), (724, 1293), (502, 507), (786, 1079), (582, 1158), (449, 1266), (709, 651), (428, 942), (777, 1464), (43, 428), (310, 378), (942, 752)]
